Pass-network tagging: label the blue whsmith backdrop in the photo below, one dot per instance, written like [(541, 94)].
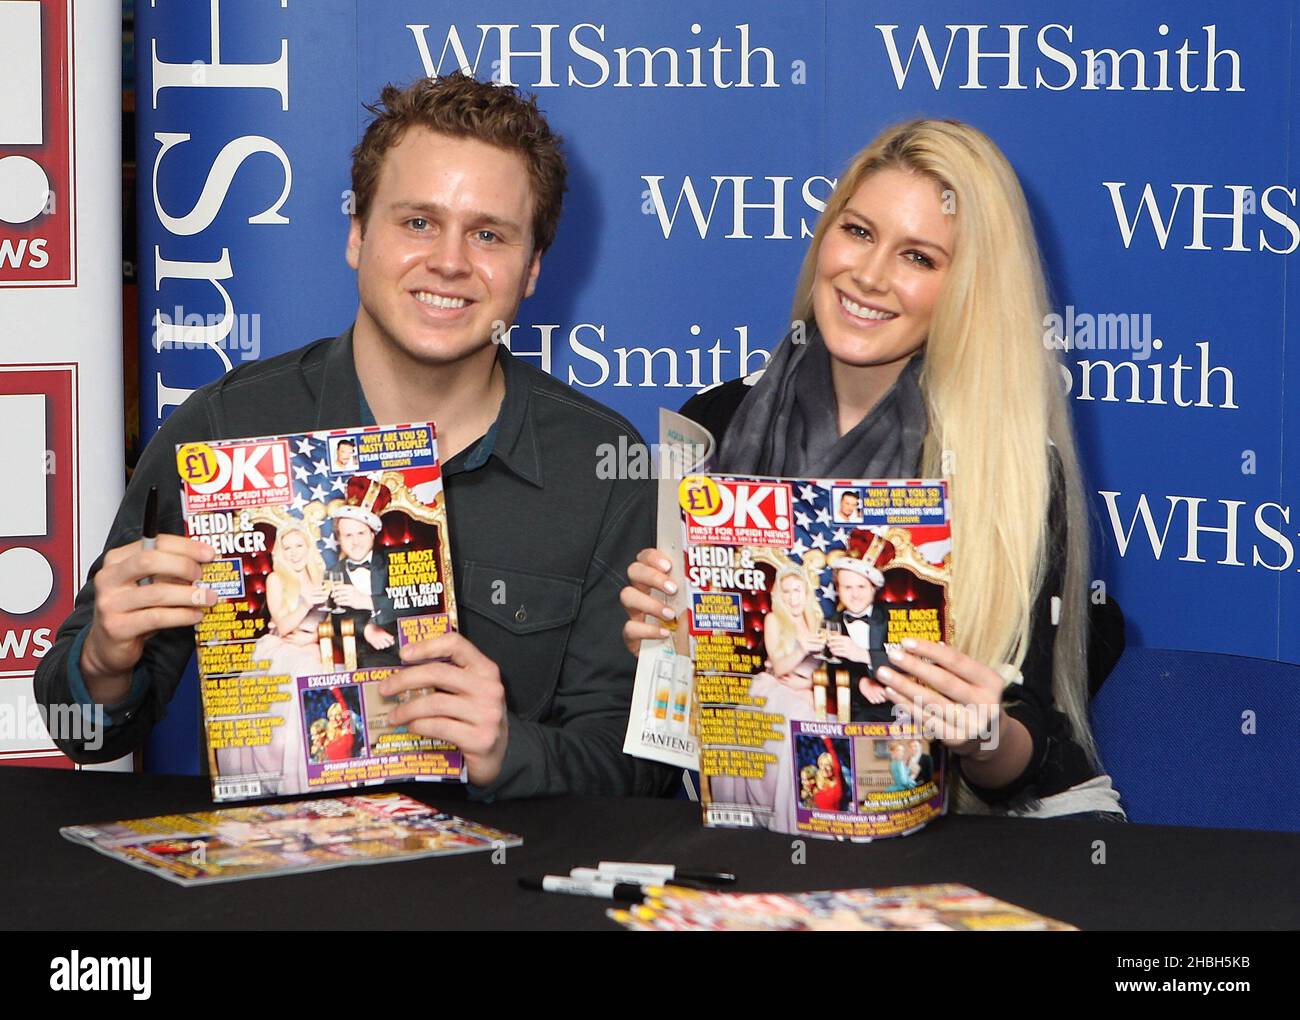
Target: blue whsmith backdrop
[(1154, 142)]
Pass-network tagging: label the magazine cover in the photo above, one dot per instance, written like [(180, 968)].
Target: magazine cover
[(332, 555), (232, 844), (944, 907), (797, 590)]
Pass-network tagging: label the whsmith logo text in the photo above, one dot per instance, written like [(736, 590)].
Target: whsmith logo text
[(585, 56)]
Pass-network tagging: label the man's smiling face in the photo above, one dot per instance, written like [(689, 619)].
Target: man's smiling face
[(356, 540), (446, 253), (855, 591)]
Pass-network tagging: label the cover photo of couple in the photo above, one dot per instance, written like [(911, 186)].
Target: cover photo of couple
[(814, 621), (318, 605)]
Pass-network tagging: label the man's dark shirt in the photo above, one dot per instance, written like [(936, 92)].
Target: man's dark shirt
[(539, 546)]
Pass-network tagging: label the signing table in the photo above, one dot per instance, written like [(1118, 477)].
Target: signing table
[(1153, 877)]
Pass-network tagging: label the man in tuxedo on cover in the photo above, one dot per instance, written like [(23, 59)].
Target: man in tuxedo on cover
[(861, 643), (365, 596)]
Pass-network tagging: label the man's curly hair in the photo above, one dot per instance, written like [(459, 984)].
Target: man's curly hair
[(463, 107)]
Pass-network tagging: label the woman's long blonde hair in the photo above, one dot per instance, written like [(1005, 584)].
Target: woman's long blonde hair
[(994, 395), (780, 622), (314, 564)]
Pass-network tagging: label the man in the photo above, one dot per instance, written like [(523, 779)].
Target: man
[(458, 187), (861, 642), (365, 570), (850, 507), (345, 455)]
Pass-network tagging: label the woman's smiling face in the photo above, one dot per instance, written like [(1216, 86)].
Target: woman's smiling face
[(881, 267), (794, 594), (294, 547)]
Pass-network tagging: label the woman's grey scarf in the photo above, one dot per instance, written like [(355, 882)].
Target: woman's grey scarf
[(787, 424)]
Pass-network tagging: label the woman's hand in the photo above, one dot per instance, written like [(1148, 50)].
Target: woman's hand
[(315, 595), (958, 699), (649, 573)]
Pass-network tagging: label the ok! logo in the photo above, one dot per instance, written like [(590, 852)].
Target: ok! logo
[(235, 475), (736, 512)]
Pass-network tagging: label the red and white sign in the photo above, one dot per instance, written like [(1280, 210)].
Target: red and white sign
[(39, 572), (61, 422), (38, 235)]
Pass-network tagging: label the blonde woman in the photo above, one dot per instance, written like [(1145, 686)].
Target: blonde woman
[(807, 785), (792, 630), (918, 351), (295, 589), (791, 639)]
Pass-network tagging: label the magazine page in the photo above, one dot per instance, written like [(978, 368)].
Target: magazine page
[(332, 555), (797, 591), (946, 907), (236, 843), (662, 725)]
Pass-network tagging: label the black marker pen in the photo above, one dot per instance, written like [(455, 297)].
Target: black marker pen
[(149, 533)]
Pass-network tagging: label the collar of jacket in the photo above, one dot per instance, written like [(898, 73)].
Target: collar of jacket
[(515, 442)]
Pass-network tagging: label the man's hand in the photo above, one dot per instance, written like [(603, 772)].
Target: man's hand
[(872, 691), (844, 647), (352, 597), (127, 614), (461, 700), (378, 638)]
